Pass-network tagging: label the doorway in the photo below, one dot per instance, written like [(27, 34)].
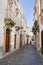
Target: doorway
[(7, 44), (42, 41), (15, 41)]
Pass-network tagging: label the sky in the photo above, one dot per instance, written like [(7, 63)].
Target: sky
[(28, 6)]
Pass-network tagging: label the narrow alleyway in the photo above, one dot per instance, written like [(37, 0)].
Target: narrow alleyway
[(27, 55)]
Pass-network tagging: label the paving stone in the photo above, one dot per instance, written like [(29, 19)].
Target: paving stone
[(27, 55)]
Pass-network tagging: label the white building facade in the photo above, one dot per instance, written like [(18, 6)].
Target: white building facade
[(12, 25), (38, 16)]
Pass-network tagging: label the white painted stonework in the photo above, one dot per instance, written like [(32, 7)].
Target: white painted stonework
[(39, 18), (18, 17)]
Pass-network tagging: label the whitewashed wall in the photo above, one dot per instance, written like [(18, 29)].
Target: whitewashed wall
[(18, 41), (3, 5)]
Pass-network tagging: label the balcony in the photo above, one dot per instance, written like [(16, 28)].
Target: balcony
[(10, 17)]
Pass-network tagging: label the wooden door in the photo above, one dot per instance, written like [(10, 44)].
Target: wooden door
[(15, 41), (7, 44)]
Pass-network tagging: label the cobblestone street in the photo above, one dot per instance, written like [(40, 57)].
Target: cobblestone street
[(27, 55)]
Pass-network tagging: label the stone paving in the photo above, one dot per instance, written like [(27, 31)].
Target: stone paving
[(27, 55)]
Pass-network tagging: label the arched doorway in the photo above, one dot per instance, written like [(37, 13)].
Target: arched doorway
[(42, 41), (7, 41)]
